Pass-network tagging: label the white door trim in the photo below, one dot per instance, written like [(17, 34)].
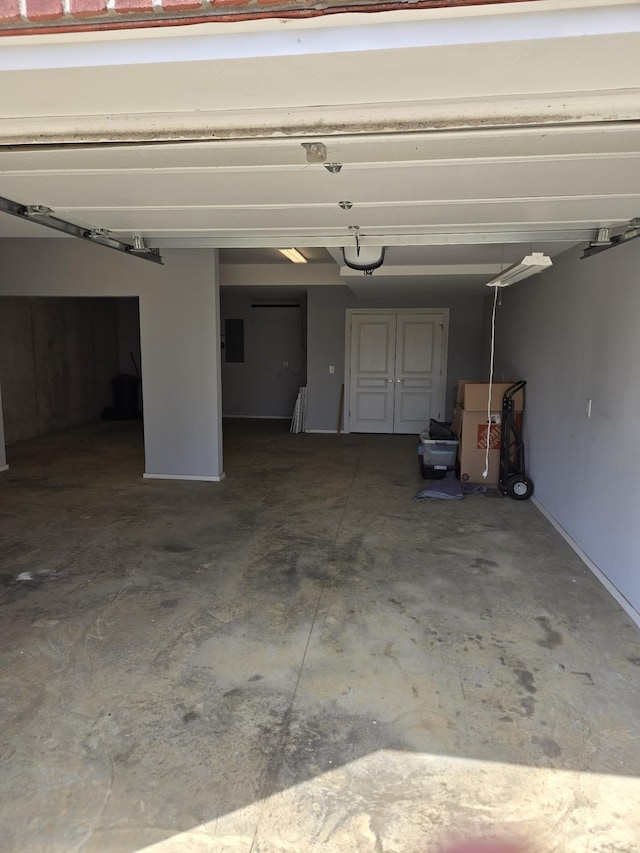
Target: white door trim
[(350, 312)]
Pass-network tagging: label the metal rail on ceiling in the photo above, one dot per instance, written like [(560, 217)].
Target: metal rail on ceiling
[(43, 215)]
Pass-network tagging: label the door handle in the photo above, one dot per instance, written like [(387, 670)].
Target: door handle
[(389, 380), (398, 380)]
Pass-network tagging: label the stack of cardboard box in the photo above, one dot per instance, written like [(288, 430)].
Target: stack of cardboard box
[(474, 429)]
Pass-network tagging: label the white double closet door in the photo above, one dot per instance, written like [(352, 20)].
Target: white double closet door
[(396, 376)]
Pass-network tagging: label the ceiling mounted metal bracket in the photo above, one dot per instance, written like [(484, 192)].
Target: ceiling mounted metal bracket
[(605, 241), (316, 151), (43, 215), (34, 210)]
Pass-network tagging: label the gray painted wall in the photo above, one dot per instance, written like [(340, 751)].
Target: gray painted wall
[(57, 357), (326, 335), (261, 386), (178, 332), (326, 308), (573, 334)]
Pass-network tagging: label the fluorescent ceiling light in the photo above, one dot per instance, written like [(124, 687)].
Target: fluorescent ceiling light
[(293, 255), (529, 265)]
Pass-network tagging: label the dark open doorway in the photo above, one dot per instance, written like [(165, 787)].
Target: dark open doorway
[(59, 357)]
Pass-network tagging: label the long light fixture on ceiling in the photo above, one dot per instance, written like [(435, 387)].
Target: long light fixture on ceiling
[(293, 255), (529, 265)]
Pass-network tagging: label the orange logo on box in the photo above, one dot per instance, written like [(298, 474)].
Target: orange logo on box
[(494, 436)]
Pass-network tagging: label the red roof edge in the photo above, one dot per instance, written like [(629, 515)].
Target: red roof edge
[(251, 10)]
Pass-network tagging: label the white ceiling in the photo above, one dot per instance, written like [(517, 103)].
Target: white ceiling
[(467, 136)]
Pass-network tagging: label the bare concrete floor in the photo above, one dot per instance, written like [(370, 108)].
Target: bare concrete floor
[(302, 658)]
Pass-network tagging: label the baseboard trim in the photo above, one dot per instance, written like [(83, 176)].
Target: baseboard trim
[(4, 467), (323, 431), (204, 478), (260, 417), (629, 609)]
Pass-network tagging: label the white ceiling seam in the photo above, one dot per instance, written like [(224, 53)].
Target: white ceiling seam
[(299, 168), (574, 141), (357, 206), (426, 219), (411, 240), (326, 122)]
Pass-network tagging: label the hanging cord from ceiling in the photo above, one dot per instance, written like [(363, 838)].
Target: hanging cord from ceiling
[(496, 290)]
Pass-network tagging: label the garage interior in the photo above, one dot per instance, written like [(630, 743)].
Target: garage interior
[(221, 636)]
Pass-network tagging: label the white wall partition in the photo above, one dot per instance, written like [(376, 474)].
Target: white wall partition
[(179, 332)]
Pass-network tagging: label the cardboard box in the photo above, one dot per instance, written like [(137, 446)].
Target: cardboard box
[(474, 396), (461, 387), (474, 431)]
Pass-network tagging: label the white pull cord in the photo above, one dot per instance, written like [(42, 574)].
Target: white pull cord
[(485, 473)]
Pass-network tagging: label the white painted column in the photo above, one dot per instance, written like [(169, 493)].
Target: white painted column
[(3, 455), (180, 343)]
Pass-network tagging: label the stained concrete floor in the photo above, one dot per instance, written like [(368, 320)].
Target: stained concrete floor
[(302, 658)]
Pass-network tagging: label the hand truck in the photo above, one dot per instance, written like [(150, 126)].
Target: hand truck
[(513, 479)]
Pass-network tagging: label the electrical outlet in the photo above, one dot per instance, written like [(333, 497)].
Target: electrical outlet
[(286, 364), (332, 368)]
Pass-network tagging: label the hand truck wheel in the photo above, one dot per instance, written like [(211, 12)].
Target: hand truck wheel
[(519, 487)]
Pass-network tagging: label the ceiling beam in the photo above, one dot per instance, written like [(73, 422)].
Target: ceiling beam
[(462, 238)]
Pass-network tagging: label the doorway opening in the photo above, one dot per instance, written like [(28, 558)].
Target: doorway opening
[(60, 359), (264, 351)]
